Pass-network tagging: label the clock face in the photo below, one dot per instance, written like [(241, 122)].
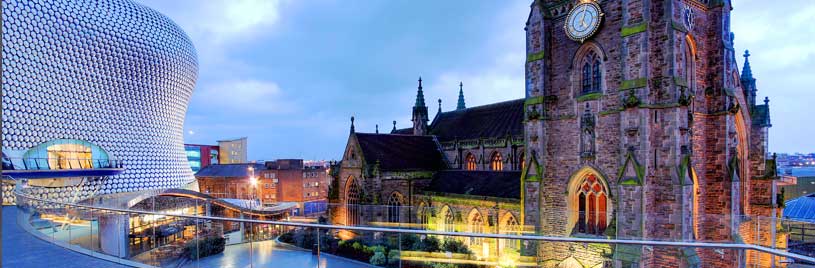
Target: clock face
[(583, 21)]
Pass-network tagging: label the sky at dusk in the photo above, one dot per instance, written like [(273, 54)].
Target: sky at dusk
[(289, 74)]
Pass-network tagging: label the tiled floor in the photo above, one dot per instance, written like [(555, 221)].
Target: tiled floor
[(21, 249)]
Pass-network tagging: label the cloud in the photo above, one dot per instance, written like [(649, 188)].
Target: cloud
[(251, 95), (500, 76)]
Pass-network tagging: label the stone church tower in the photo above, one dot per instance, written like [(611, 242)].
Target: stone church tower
[(639, 126)]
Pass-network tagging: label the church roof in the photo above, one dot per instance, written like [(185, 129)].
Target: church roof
[(487, 121), (405, 131), (501, 184), (401, 152)]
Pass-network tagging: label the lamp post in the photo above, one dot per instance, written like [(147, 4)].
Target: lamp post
[(253, 182)]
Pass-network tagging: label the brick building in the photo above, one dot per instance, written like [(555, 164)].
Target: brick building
[(283, 180), (636, 124)]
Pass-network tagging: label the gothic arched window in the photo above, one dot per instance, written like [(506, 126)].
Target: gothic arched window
[(592, 206), (470, 160), (448, 220), (395, 207), (591, 76), (476, 226), (510, 226), (424, 214), (352, 203), (496, 162)]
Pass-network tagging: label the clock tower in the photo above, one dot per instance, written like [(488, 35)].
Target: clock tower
[(637, 128)]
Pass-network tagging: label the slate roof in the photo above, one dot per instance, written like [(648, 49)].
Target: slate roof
[(404, 131), (228, 170), (801, 208), (487, 121), (501, 184), (401, 152)]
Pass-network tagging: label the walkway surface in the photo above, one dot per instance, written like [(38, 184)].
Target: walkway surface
[(271, 254), (21, 249)]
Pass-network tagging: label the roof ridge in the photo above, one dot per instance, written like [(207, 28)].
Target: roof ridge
[(484, 106)]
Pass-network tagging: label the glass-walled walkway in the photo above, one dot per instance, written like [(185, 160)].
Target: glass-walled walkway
[(182, 237)]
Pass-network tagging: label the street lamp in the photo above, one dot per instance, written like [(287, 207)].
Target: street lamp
[(253, 182)]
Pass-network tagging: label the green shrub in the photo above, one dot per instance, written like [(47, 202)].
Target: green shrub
[(203, 247), (378, 258), (455, 246), (354, 249), (410, 242), (429, 244), (393, 258)]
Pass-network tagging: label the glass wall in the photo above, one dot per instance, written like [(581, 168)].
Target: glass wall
[(66, 154)]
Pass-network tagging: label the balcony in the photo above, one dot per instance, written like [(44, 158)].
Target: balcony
[(45, 167)]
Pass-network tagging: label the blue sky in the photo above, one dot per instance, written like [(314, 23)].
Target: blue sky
[(289, 74)]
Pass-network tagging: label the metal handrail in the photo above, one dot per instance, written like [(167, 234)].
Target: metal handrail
[(737, 246), (43, 163)]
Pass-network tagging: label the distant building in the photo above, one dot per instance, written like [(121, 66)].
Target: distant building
[(283, 180), (201, 156), (233, 151)]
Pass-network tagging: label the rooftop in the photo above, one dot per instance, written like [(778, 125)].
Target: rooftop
[(395, 152), (228, 170), (487, 121), (500, 184)]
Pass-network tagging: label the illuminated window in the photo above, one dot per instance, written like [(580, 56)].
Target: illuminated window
[(496, 162), (69, 156), (510, 226), (470, 160), (476, 226), (522, 161), (592, 202), (352, 203), (424, 214), (448, 220)]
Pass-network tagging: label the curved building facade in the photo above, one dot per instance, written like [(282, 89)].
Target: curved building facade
[(88, 79)]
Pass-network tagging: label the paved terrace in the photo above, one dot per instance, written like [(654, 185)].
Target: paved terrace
[(21, 249)]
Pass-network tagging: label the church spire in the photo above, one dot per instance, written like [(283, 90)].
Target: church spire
[(461, 104), (748, 83), (419, 95), (420, 117), (746, 72)]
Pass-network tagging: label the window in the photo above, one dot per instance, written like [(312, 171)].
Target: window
[(496, 162), (394, 207), (476, 226), (522, 161), (510, 226), (266, 186), (424, 212), (591, 206), (591, 75), (448, 220), (470, 160), (352, 203)]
